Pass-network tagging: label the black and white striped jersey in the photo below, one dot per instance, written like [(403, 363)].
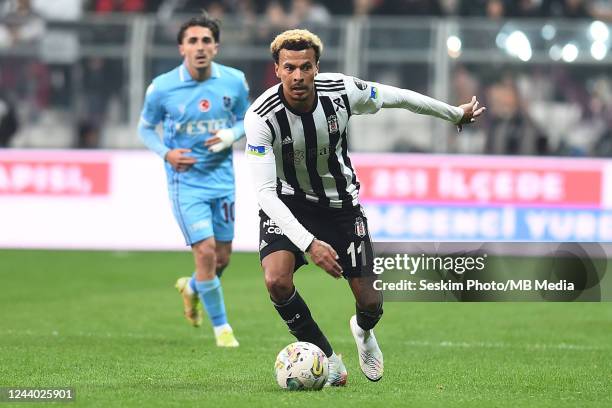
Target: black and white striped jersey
[(310, 149)]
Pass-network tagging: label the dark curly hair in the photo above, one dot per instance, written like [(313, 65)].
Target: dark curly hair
[(203, 20)]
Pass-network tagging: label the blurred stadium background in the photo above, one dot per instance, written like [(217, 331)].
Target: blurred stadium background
[(73, 175), (75, 71), (73, 75)]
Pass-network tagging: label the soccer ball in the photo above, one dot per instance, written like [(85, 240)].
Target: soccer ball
[(301, 366)]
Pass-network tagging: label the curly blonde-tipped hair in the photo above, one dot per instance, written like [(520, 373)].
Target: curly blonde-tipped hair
[(296, 40)]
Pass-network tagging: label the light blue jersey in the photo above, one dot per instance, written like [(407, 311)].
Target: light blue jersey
[(189, 110)]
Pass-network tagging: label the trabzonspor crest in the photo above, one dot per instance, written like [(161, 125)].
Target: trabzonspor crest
[(204, 105)]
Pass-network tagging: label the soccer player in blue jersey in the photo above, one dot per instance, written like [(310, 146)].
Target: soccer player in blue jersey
[(202, 106)]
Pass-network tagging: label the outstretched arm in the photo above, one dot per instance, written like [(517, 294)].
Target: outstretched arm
[(393, 97), (368, 97)]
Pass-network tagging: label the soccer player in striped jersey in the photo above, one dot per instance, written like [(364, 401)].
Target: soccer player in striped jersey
[(201, 105), (308, 190)]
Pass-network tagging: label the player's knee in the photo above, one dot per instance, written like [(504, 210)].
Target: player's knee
[(205, 251), (279, 287)]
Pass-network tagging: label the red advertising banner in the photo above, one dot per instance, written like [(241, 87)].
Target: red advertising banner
[(54, 177), (523, 182)]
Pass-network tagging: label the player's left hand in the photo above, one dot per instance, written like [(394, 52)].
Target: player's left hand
[(325, 257), (470, 113), (222, 139)]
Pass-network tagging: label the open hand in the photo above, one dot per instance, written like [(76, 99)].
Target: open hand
[(470, 113)]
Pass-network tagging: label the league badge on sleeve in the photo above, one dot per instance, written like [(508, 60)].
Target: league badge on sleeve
[(373, 93), (258, 151), (360, 229)]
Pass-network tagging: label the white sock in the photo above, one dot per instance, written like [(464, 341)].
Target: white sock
[(223, 327)]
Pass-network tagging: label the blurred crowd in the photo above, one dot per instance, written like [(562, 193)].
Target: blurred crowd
[(322, 9), (540, 110), (533, 109), (298, 10)]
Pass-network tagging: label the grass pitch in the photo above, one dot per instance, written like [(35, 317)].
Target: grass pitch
[(110, 325)]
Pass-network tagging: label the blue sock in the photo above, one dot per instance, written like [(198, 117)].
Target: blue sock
[(211, 295)]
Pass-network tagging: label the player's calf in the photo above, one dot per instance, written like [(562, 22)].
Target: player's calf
[(223, 251), (368, 314), (220, 268), (296, 315)]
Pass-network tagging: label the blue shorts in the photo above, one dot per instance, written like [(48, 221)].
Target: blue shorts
[(203, 218)]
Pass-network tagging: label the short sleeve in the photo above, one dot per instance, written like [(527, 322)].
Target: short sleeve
[(364, 97)]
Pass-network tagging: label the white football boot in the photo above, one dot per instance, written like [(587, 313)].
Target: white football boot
[(370, 356), (337, 372)]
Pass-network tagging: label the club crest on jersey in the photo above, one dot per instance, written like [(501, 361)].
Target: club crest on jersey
[(227, 102), (332, 124), (204, 105), (360, 229)]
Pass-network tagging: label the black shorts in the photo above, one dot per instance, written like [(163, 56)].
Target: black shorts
[(346, 230)]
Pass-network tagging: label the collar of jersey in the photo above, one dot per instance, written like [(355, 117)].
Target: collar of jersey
[(186, 76), (282, 96)]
